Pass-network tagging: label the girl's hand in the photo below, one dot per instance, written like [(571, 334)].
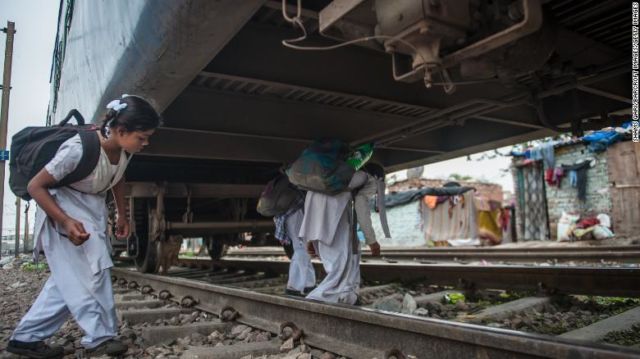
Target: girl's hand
[(75, 231), (122, 228)]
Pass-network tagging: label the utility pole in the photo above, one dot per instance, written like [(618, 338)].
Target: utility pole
[(26, 227), (17, 242), (10, 30)]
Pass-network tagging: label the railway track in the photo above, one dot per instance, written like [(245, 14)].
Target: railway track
[(552, 279), (594, 254), (245, 289)]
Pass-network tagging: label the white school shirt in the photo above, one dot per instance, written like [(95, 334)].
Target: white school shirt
[(84, 202)]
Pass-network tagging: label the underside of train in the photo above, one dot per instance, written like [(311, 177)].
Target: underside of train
[(245, 86)]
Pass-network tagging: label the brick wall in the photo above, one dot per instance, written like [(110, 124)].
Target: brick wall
[(565, 198)]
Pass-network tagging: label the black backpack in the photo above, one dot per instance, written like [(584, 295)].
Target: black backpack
[(277, 197), (33, 147)]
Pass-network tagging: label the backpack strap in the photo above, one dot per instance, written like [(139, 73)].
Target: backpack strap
[(88, 161)]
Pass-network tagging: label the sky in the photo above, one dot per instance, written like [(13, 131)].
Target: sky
[(493, 170), (33, 48), (35, 22)]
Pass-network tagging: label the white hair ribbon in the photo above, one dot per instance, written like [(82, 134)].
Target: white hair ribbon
[(116, 105)]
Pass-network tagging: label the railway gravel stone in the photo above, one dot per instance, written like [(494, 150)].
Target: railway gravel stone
[(287, 345), (19, 289), (630, 337), (238, 329), (389, 304), (409, 304)]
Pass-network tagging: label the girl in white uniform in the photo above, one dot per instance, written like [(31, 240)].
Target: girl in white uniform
[(70, 227), (302, 275), (328, 223)]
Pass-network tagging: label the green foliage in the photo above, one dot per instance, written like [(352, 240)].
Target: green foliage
[(453, 298), (30, 266), (609, 301)]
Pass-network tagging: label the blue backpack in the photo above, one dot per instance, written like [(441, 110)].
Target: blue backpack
[(322, 167)]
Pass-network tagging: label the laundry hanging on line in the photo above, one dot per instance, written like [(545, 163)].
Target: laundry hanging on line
[(578, 177)]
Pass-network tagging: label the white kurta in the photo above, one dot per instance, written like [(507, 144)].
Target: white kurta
[(327, 221), (301, 272), (368, 188), (80, 281)]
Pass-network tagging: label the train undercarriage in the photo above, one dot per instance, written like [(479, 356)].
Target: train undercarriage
[(424, 80), (162, 215)]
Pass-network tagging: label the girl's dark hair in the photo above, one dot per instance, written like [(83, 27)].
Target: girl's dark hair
[(139, 115), (374, 169)]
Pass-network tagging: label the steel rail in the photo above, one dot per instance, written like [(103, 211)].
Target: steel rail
[(588, 254), (623, 282), (364, 333)]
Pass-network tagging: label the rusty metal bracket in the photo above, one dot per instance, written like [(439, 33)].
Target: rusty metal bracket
[(132, 285), (228, 314), (164, 295), (188, 301), (394, 354), (288, 330)]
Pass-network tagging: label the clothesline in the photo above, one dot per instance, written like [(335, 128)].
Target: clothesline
[(597, 141)]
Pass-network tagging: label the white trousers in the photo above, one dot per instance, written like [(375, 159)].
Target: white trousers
[(342, 266), (72, 289), (301, 272)]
